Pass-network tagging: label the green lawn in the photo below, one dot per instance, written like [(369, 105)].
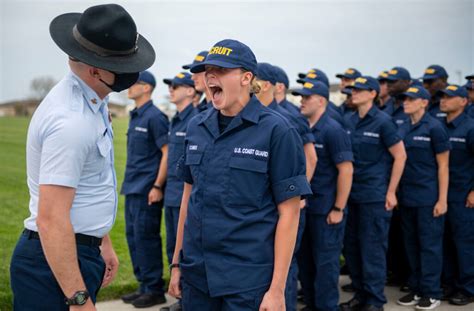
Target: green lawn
[(14, 206)]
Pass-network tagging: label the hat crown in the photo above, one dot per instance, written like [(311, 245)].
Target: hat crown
[(108, 26)]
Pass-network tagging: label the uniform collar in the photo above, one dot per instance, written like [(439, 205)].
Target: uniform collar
[(373, 110), (273, 105), (140, 111), (460, 119), (322, 120), (185, 113), (250, 113), (90, 96)]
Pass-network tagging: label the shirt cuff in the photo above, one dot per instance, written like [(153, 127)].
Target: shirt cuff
[(442, 147), (161, 141), (59, 180), (343, 156), (307, 138), (290, 188)]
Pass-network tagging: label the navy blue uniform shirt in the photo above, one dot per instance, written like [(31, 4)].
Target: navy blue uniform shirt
[(435, 110), (470, 110), (147, 133), (333, 146), (423, 141), (290, 107), (371, 138), (177, 134), (398, 114), (239, 177), (298, 121), (461, 158)]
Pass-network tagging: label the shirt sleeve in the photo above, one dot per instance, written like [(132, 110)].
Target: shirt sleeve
[(287, 166), (303, 130), (65, 148), (159, 129), (182, 170), (390, 133), (440, 139), (339, 146)]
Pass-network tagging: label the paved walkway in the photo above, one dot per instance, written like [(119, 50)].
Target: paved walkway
[(392, 295)]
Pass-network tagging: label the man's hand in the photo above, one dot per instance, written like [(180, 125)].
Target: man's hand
[(111, 262), (174, 288), (334, 217), (470, 200), (274, 300), (390, 201), (440, 208), (155, 195)]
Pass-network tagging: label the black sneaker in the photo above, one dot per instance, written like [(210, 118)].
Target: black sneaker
[(427, 303), (129, 298), (461, 299), (409, 300), (448, 292), (351, 305), (148, 300), (348, 288)]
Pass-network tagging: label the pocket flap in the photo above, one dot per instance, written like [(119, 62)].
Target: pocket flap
[(193, 158), (248, 164), (104, 146)]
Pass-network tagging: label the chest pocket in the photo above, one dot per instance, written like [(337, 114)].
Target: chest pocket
[(370, 149), (420, 151), (248, 180), (193, 161), (140, 142), (459, 152), (97, 158)]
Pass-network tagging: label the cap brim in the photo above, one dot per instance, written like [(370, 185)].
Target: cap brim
[(341, 75), (469, 77), (202, 66), (448, 92), (411, 95), (188, 66), (60, 30), (301, 92), (346, 91), (359, 87), (167, 81)]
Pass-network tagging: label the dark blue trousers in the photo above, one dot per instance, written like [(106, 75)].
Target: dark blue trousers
[(306, 270), (423, 237), (143, 224), (195, 299), (291, 290), (459, 238), (366, 245), (171, 222), (33, 283)]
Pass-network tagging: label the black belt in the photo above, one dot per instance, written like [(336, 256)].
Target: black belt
[(81, 239)]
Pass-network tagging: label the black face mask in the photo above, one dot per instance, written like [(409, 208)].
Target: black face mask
[(122, 81)]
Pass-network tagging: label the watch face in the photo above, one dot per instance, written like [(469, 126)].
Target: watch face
[(81, 298)]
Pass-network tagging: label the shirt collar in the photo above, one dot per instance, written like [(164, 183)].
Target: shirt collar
[(459, 119), (140, 111), (373, 110), (90, 96), (185, 113), (251, 111), (322, 120), (273, 105)]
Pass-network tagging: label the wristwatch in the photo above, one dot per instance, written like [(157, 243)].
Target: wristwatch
[(337, 209), (156, 186), (78, 299)]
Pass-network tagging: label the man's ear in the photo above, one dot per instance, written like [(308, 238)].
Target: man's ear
[(190, 92)]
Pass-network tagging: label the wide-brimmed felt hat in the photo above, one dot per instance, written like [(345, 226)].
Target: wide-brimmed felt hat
[(104, 36)]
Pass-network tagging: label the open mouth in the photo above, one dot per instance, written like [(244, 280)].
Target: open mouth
[(216, 92)]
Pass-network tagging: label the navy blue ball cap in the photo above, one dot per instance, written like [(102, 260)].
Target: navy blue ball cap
[(312, 88), (281, 76), (350, 73), (454, 90), (416, 82), (398, 73), (314, 75), (382, 76), (365, 83), (434, 72), (182, 78), (147, 77), (229, 53), (346, 91), (417, 92), (197, 60), (266, 72)]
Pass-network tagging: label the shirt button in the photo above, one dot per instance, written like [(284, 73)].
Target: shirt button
[(292, 187)]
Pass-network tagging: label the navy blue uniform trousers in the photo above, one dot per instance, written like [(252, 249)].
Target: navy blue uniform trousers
[(171, 223), (33, 283), (459, 248), (365, 243), (143, 224), (323, 246), (423, 238)]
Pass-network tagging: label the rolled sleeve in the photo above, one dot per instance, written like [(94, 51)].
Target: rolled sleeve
[(287, 166), (63, 154), (182, 170), (390, 134), (340, 146), (159, 129), (291, 187), (440, 140)]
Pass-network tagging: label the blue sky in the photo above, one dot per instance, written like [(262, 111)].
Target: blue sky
[(332, 35)]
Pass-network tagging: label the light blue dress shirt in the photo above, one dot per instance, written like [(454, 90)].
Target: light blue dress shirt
[(69, 144)]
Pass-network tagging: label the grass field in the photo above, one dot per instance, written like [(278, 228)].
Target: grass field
[(14, 206)]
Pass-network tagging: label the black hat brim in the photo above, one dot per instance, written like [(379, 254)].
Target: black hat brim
[(60, 30)]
